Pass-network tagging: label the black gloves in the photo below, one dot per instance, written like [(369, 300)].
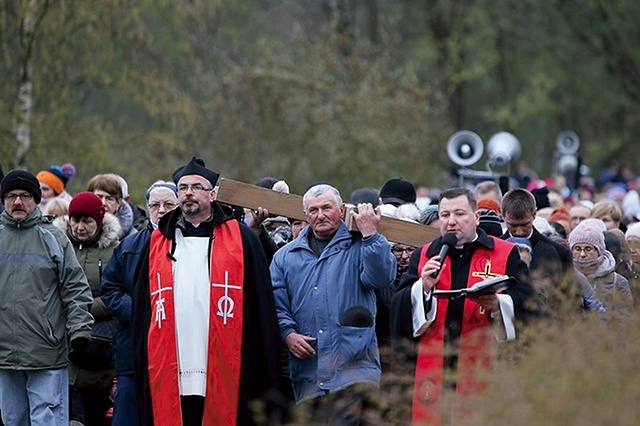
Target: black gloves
[(78, 349), (95, 354)]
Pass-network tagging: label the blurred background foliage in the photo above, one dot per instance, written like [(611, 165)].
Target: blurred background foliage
[(351, 92)]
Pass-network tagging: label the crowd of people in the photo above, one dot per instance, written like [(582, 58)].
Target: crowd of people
[(192, 311)]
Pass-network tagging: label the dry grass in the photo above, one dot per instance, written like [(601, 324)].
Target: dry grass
[(568, 371), (576, 371)]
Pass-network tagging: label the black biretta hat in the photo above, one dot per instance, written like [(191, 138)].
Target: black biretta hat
[(196, 167)]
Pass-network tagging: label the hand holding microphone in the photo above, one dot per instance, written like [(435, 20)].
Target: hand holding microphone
[(448, 240)]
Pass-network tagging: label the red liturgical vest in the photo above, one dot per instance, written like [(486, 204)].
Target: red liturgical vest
[(477, 344), (225, 330)]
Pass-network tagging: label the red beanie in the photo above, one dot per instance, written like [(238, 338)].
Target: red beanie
[(87, 203), (559, 213)]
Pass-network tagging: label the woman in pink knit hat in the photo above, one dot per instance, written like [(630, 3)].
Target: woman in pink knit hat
[(603, 289), (632, 237)]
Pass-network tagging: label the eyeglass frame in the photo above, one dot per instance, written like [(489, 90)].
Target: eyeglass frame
[(25, 197), (196, 188), (395, 250), (156, 206), (587, 250)]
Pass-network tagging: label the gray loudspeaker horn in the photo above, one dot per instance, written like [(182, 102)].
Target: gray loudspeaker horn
[(465, 148), (503, 148), (567, 143), (567, 164)]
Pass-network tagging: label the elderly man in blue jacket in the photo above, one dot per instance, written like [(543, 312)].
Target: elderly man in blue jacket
[(324, 284)]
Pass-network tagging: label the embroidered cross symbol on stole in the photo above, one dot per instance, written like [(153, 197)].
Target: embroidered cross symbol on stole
[(226, 303), (161, 314), (486, 274)]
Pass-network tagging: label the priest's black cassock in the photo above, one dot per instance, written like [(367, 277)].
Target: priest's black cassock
[(260, 348), (460, 264)]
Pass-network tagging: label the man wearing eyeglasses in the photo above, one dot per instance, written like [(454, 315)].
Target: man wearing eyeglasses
[(204, 323), (44, 300), (384, 297)]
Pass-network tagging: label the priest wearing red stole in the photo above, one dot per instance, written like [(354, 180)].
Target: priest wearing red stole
[(204, 323), (452, 340)]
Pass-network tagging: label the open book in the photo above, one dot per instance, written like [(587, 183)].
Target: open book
[(494, 285)]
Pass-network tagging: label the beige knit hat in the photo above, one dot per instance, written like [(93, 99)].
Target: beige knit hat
[(633, 230), (588, 232)]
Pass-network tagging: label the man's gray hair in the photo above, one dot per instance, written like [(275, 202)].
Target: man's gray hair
[(318, 190)]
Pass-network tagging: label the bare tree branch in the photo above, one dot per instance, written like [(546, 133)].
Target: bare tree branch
[(34, 11)]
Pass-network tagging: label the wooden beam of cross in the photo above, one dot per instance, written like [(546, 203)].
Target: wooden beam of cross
[(290, 205)]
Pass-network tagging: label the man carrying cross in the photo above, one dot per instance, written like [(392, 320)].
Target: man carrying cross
[(203, 314), (324, 284)]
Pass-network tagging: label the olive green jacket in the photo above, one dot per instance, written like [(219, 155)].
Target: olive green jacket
[(44, 294)]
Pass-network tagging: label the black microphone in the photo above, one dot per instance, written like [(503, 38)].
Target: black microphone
[(448, 240), (357, 316)]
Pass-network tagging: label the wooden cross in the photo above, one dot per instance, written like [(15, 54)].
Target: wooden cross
[(290, 205)]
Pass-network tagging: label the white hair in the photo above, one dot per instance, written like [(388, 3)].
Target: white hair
[(318, 190)]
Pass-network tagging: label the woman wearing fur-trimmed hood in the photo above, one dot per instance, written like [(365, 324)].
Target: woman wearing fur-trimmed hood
[(94, 235)]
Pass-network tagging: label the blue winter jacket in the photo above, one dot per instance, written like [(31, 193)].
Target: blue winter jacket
[(117, 289), (312, 293)]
